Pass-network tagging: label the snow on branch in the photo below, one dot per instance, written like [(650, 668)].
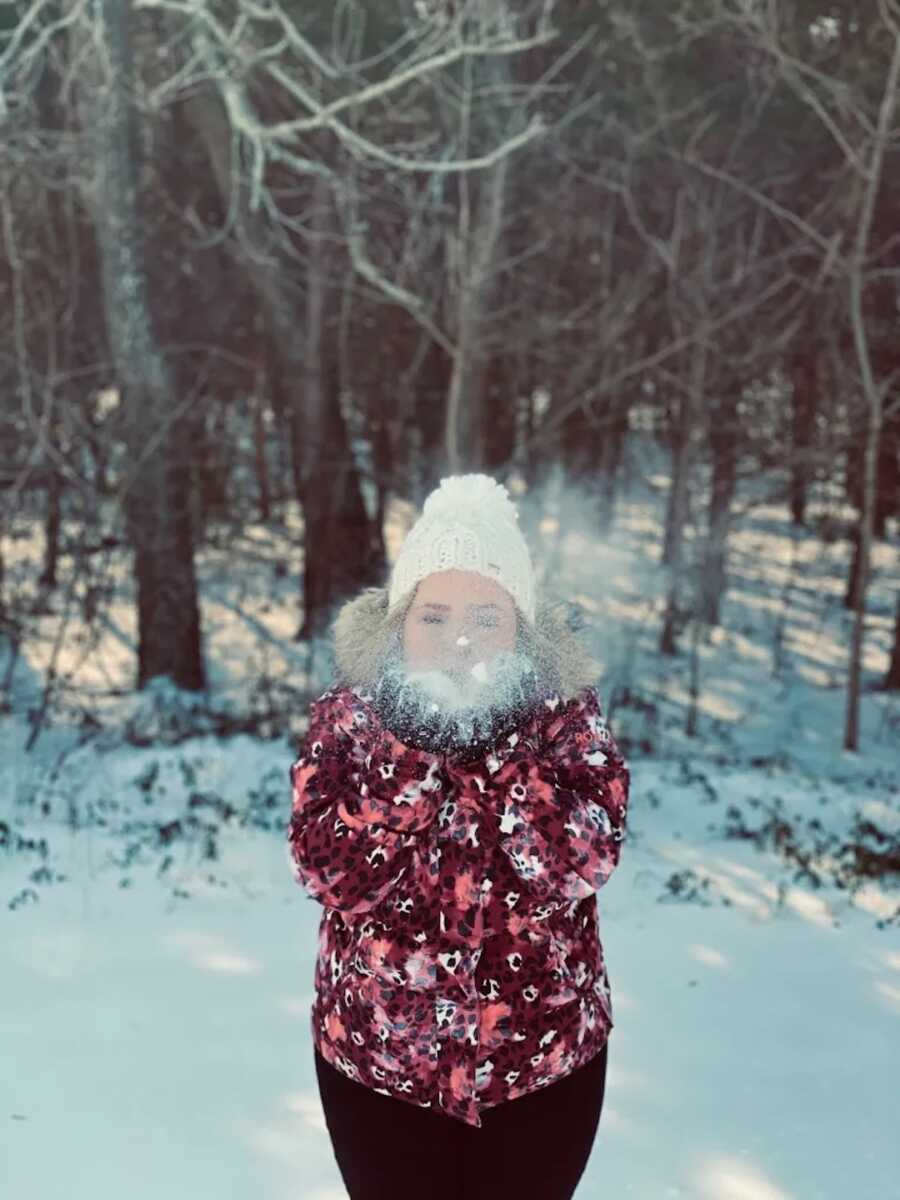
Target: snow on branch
[(227, 43)]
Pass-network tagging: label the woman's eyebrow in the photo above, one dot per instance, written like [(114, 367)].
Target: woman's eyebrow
[(446, 607)]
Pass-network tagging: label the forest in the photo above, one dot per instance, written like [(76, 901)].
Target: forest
[(269, 271)]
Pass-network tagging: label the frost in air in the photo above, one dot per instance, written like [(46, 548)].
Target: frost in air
[(446, 709)]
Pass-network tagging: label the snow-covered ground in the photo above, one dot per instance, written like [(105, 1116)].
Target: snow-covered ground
[(157, 956)]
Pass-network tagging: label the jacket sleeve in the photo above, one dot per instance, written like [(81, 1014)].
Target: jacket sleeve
[(559, 814), (361, 802)]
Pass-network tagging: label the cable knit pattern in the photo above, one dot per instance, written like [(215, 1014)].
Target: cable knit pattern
[(468, 523), (459, 960)]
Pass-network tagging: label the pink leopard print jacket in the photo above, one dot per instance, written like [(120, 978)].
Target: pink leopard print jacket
[(459, 960)]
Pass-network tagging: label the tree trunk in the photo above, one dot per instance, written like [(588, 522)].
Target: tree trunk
[(52, 526), (677, 512), (722, 437), (209, 443), (498, 430), (156, 484), (851, 591), (264, 491), (677, 436), (342, 548), (804, 379), (612, 445), (871, 389), (477, 251), (690, 405), (892, 679), (429, 420), (887, 499)]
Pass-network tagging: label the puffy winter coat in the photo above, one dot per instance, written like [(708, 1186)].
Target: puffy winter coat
[(459, 959)]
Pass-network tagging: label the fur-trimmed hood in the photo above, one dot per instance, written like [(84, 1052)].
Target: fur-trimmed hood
[(366, 627)]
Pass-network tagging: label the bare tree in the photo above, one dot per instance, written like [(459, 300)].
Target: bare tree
[(863, 139), (155, 492), (324, 136), (874, 390)]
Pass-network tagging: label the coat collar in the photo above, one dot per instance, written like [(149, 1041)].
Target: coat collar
[(528, 734)]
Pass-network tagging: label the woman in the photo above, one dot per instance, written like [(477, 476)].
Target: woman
[(457, 803)]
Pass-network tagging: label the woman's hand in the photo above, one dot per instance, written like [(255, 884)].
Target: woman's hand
[(360, 802), (559, 805)]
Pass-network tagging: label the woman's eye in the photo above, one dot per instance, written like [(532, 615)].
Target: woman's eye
[(481, 622)]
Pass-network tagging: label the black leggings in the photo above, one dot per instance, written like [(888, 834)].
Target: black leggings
[(535, 1147)]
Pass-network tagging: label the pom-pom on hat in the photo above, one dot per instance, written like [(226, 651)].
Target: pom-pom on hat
[(468, 523)]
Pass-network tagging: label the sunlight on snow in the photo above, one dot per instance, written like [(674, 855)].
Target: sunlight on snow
[(710, 704), (708, 955), (812, 908), (766, 603), (767, 888), (587, 602), (235, 964), (278, 622), (872, 899), (398, 518), (887, 989), (615, 1122), (308, 1107), (296, 1006), (720, 883), (208, 954), (753, 906), (883, 814), (113, 668), (291, 1148), (890, 993), (743, 647), (288, 1144), (817, 648), (637, 518), (749, 873), (660, 481), (816, 676), (728, 1179), (629, 612), (282, 1144), (619, 1079)]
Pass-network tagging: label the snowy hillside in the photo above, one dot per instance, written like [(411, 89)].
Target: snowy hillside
[(157, 956)]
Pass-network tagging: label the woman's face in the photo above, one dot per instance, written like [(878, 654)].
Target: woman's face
[(457, 619)]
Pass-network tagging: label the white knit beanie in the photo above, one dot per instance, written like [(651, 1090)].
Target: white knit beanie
[(469, 523)]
